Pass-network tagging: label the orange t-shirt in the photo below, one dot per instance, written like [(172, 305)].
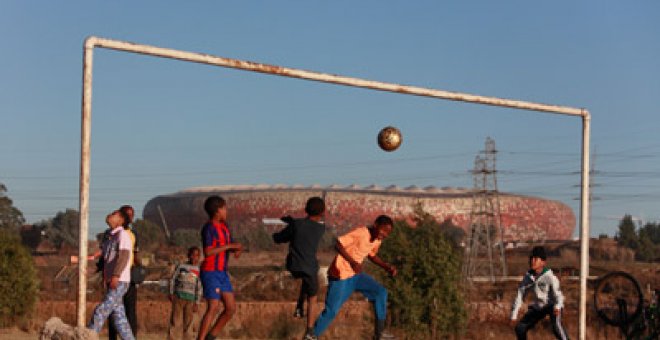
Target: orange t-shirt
[(358, 246)]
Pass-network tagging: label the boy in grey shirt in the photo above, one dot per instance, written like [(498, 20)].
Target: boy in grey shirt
[(548, 297)]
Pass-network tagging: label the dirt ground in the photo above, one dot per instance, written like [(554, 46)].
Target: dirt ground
[(265, 295)]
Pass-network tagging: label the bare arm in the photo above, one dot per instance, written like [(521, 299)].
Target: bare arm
[(122, 262), (386, 266), (174, 275), (210, 251)]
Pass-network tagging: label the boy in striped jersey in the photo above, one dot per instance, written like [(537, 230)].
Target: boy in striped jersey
[(217, 243)]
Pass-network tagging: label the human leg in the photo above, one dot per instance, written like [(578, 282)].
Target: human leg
[(112, 330), (376, 293), (557, 328), (130, 305), (300, 304), (227, 313), (338, 292), (528, 322), (188, 314), (309, 289), (175, 319), (112, 298), (121, 323), (212, 307)]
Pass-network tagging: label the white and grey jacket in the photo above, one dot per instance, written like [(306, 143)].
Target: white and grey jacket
[(546, 291)]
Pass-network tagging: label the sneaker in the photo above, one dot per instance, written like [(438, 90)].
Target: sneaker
[(299, 313), (310, 336), (384, 336)]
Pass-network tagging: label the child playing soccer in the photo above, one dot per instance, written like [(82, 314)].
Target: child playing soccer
[(303, 235), (548, 299), (345, 275), (217, 244)]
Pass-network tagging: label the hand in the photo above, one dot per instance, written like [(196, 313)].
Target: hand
[(238, 249), (357, 267), (391, 270), (513, 322), (287, 219), (114, 282), (557, 311)]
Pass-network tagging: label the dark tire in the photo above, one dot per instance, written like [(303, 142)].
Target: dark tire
[(614, 290)]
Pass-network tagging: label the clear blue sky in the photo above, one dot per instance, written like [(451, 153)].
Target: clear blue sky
[(160, 126)]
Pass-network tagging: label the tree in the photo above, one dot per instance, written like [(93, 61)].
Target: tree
[(425, 296), (649, 242), (10, 217), (62, 229), (627, 236), (18, 286), (149, 235)]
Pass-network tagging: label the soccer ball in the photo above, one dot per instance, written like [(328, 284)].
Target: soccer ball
[(389, 138)]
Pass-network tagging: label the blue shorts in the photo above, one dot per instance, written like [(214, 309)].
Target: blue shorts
[(215, 283)]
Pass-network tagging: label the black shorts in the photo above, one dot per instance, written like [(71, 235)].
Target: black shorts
[(310, 283)]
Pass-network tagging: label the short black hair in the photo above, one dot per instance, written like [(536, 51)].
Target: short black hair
[(315, 206), (383, 220), (124, 215), (125, 209), (539, 252), (212, 204), (193, 248)]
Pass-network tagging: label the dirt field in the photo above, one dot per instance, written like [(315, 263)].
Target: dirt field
[(265, 295)]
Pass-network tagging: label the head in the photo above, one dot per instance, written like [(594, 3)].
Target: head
[(128, 210), (315, 206), (382, 227), (193, 255), (216, 207), (116, 219), (537, 260)]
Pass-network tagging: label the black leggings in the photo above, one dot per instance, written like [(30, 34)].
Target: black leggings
[(533, 316)]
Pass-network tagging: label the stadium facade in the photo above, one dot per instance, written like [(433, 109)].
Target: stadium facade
[(253, 206)]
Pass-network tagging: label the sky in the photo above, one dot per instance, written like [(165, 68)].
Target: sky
[(160, 126)]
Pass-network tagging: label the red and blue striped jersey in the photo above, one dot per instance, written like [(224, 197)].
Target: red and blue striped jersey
[(214, 235)]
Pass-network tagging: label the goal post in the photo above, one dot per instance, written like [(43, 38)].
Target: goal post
[(96, 42)]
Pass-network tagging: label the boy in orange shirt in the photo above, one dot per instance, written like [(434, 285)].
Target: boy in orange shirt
[(345, 274)]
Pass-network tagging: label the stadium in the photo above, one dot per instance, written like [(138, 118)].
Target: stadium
[(253, 206)]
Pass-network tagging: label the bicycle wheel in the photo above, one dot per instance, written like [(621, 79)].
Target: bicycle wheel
[(618, 298)]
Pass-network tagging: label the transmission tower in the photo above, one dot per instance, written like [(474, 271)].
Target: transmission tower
[(485, 246)]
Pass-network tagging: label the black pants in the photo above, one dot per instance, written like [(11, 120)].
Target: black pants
[(533, 316), (130, 304)]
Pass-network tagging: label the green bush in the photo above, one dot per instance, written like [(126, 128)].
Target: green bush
[(18, 283), (149, 235), (425, 297), (255, 239)]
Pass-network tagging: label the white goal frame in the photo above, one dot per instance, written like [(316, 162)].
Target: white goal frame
[(86, 122)]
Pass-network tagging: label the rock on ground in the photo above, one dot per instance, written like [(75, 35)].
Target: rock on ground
[(55, 329)]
